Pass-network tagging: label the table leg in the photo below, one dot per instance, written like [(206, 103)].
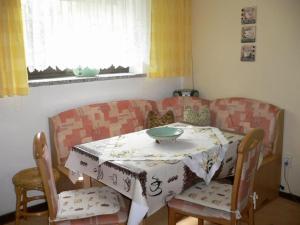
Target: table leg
[(143, 222), (86, 181), (24, 202)]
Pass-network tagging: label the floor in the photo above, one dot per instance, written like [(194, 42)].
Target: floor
[(278, 212)]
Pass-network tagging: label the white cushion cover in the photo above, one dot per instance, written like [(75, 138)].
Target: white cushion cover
[(87, 202), (215, 195)]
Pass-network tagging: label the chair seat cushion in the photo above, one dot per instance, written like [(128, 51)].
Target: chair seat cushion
[(89, 202), (197, 210), (109, 219), (215, 195)]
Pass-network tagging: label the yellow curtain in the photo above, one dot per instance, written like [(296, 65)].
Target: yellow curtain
[(171, 41), (13, 73)]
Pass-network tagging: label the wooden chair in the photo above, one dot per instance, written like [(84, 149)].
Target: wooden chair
[(83, 206), (224, 203), (24, 181)]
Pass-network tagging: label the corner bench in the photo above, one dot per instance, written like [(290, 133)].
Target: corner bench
[(103, 120)]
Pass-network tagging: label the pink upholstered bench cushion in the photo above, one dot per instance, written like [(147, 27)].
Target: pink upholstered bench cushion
[(177, 105), (97, 121), (174, 104)]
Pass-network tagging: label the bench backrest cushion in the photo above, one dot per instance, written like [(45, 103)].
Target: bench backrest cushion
[(177, 105), (174, 104), (95, 122), (104, 120), (141, 109), (242, 114)]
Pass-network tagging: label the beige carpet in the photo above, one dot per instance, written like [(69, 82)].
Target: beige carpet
[(278, 212)]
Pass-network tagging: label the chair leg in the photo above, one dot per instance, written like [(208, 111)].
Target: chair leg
[(233, 221), (143, 222), (171, 216), (24, 202), (18, 204), (200, 221), (86, 181), (251, 216)]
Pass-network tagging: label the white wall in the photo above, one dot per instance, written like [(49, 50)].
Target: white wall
[(275, 75), (22, 117)]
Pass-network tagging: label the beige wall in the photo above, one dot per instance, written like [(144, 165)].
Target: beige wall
[(275, 75)]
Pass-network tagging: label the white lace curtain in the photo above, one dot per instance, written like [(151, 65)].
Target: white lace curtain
[(93, 33)]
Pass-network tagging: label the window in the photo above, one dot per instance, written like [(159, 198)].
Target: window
[(63, 35)]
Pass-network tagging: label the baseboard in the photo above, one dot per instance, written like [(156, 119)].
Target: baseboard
[(9, 217), (289, 196)]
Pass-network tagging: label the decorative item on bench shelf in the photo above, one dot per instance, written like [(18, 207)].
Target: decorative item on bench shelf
[(186, 92)]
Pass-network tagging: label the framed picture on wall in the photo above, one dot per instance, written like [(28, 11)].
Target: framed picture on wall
[(248, 53), (248, 34), (248, 15)]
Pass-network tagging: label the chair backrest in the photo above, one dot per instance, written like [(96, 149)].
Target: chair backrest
[(43, 159), (246, 166)]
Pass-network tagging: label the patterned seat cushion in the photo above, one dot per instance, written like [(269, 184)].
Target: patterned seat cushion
[(89, 202), (198, 210), (215, 195), (116, 218)]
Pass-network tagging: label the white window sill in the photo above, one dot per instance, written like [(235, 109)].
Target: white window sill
[(69, 80)]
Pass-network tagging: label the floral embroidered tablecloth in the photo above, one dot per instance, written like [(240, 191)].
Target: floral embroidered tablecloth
[(150, 173)]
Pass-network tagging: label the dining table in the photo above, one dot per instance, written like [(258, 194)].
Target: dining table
[(151, 173)]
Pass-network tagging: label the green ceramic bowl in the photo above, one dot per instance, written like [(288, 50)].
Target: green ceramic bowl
[(164, 133)]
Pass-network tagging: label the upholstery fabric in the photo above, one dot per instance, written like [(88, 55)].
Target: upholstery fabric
[(196, 103), (198, 210), (94, 122), (241, 115), (141, 108), (99, 121), (88, 202), (200, 118), (174, 104), (117, 218), (248, 173), (154, 120), (215, 195)]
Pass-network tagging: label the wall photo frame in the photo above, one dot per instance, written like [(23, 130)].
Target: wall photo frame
[(248, 53), (248, 15), (248, 34)]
